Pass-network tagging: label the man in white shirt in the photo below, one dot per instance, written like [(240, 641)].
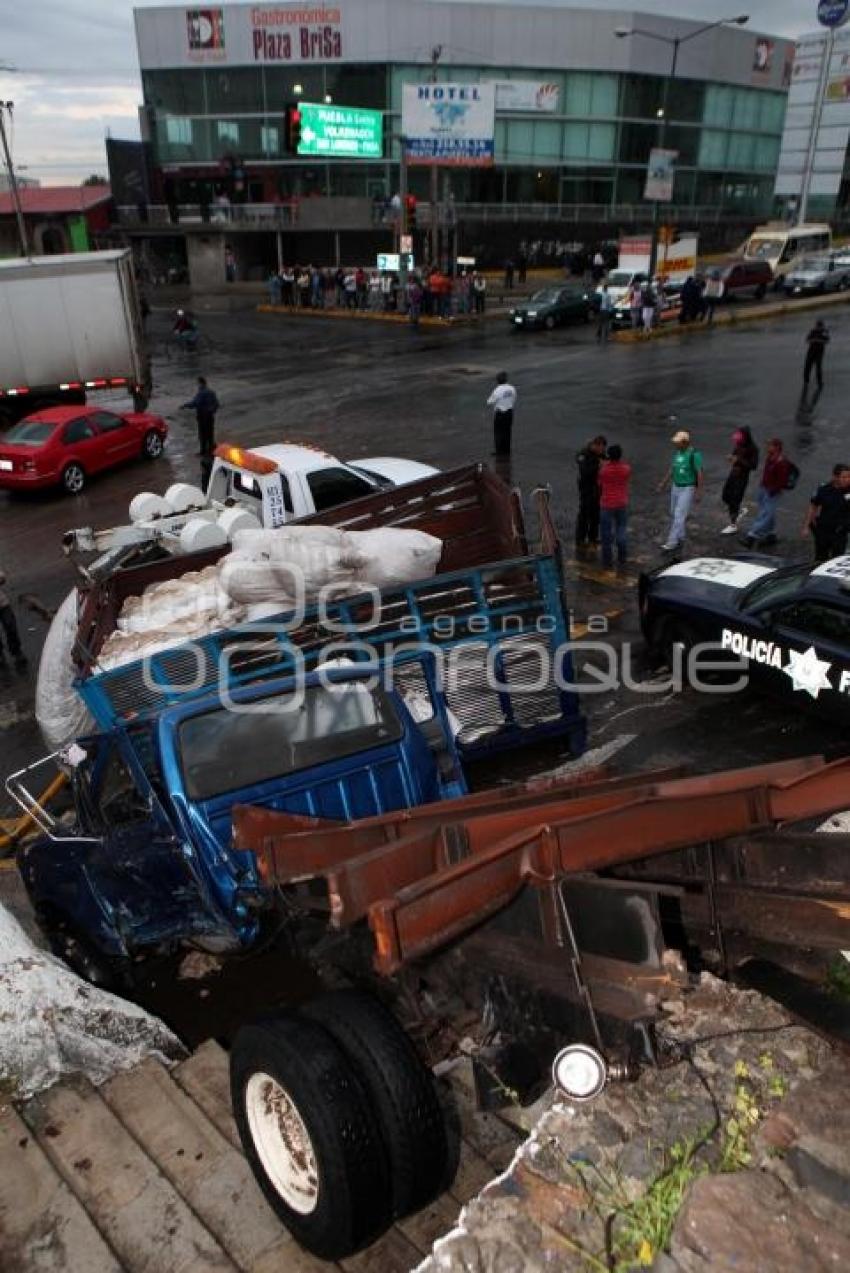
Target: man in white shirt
[(503, 401)]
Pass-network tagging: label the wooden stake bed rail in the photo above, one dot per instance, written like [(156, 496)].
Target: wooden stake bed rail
[(428, 875)]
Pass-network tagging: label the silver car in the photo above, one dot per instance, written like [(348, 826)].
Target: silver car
[(818, 274)]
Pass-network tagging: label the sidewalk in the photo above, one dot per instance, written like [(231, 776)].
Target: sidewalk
[(730, 315)]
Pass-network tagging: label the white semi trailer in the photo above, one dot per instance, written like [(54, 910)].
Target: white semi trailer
[(69, 325)]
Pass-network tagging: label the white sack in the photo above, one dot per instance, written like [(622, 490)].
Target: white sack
[(55, 1024), (393, 557), (61, 714), (299, 561), (193, 595)]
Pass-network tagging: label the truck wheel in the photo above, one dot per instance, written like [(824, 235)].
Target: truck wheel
[(73, 478), (310, 1135), (401, 1091), (153, 445), (760, 292)]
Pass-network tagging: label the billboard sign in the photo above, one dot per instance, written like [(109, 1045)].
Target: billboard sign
[(341, 132), (449, 124), (391, 261), (526, 95), (833, 13), (660, 175)]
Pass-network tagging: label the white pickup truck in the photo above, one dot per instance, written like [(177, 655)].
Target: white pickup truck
[(265, 486)]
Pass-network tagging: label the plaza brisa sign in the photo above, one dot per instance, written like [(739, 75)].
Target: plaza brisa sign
[(449, 124)]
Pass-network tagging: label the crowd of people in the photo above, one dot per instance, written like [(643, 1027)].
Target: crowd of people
[(429, 292), (603, 497)]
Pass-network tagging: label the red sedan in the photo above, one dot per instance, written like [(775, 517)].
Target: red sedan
[(65, 446)]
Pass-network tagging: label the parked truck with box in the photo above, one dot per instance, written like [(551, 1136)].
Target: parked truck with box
[(70, 324)]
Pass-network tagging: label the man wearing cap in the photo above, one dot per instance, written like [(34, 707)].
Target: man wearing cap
[(685, 481)]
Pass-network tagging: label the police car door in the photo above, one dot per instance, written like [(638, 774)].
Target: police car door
[(814, 635)]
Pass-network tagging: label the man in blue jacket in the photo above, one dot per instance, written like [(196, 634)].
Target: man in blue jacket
[(204, 404)]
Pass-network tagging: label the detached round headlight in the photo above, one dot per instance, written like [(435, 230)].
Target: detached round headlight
[(579, 1072)]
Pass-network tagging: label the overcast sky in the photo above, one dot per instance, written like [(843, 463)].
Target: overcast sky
[(77, 77)]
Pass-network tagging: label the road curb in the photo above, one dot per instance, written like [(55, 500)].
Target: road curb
[(365, 315), (732, 317)]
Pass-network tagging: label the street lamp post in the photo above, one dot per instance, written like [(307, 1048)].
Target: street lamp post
[(675, 42)]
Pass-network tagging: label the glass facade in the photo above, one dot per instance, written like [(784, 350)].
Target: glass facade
[(593, 150)]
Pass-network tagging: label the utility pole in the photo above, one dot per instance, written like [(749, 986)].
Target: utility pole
[(817, 117), (436, 54), (6, 108)]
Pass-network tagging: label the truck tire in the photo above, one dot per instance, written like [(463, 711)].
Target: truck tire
[(401, 1091), (310, 1135), (152, 445), (73, 478)]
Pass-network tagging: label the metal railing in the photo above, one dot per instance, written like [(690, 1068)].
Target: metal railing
[(352, 213), (260, 216)]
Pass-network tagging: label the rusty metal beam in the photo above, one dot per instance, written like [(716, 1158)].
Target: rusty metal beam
[(440, 907), (288, 846)]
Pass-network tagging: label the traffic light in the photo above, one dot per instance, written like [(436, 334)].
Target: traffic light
[(292, 132), (410, 210)]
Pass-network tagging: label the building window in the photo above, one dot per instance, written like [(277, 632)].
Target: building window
[(270, 140), (227, 130), (719, 102), (590, 96), (712, 149), (742, 147), (520, 139), (178, 132), (547, 140), (239, 90)]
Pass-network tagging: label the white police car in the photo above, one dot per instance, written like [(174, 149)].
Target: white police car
[(789, 623)]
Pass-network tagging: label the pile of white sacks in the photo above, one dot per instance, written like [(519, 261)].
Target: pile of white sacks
[(268, 572)]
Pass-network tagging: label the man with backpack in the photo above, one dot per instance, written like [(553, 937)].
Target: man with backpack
[(778, 475), (685, 480)]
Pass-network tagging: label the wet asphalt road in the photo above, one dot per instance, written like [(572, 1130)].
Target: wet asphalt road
[(359, 389)]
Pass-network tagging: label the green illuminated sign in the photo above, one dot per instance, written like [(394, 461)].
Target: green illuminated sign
[(342, 131)]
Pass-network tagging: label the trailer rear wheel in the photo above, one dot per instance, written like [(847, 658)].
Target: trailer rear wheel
[(401, 1090), (310, 1135)]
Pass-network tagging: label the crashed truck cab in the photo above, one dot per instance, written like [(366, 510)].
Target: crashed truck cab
[(149, 859)]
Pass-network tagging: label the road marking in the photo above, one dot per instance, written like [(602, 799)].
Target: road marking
[(11, 714), (596, 574), (580, 630)]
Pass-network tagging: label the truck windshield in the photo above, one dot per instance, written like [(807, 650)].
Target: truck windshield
[(765, 249), (225, 750), (29, 433)]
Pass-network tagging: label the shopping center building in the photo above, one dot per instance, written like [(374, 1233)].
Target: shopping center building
[(576, 115)]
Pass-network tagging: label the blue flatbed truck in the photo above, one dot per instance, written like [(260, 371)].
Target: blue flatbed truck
[(148, 862)]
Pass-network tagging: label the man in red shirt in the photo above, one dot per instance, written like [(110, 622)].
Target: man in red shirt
[(614, 477), (775, 479)]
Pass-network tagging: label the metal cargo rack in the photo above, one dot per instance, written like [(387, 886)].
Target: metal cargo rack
[(515, 606)]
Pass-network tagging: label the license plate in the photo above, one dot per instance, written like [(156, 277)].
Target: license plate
[(6, 465), (518, 321)]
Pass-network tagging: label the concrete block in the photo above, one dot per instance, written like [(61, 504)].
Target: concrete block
[(144, 1219), (43, 1228), (205, 1076), (204, 1168)]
